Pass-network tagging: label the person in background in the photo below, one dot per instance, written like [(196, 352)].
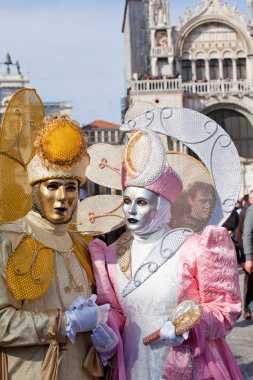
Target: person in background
[(200, 202), (244, 235), (231, 224), (238, 206)]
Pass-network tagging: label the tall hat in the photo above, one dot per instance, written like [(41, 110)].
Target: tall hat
[(34, 148), (145, 165)]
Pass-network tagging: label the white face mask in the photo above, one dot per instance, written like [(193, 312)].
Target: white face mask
[(140, 208)]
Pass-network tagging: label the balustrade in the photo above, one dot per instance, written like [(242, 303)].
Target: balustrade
[(160, 51), (166, 85), (175, 85)]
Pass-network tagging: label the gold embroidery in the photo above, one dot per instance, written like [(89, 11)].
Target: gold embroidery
[(72, 282), (186, 315), (124, 254), (30, 270), (186, 321)]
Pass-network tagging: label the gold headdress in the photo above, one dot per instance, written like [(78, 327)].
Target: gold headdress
[(60, 151), (34, 148)]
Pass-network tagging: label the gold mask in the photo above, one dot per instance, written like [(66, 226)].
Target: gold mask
[(59, 198)]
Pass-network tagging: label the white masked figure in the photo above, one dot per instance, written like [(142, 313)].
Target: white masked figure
[(47, 306), (154, 272)]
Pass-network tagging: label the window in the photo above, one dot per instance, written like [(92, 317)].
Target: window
[(106, 139), (92, 137), (112, 136), (214, 69), (241, 68), (99, 135), (186, 70), (227, 68), (200, 69)]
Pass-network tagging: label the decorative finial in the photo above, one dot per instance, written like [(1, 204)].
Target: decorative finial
[(8, 62)]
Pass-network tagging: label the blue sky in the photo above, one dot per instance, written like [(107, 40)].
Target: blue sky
[(73, 50)]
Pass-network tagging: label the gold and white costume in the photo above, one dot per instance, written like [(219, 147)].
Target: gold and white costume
[(44, 266), (26, 325)]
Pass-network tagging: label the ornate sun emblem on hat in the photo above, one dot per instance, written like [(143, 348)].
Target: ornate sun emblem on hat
[(60, 142)]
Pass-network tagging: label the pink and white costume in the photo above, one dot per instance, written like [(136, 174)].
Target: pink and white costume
[(207, 272), (151, 270)]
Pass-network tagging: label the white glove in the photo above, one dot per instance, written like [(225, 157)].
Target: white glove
[(169, 337), (83, 315), (105, 342)]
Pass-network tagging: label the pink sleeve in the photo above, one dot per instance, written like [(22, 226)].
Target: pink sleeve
[(209, 274), (105, 290), (106, 294)]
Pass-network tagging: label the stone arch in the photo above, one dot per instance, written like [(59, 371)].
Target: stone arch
[(188, 28), (228, 54), (186, 55), (200, 55), (240, 54), (213, 55)]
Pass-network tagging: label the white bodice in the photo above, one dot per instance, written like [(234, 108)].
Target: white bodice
[(147, 308)]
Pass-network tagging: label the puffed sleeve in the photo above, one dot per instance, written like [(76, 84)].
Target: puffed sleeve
[(19, 327), (208, 273)]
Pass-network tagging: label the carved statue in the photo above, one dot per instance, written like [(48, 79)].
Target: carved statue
[(158, 9)]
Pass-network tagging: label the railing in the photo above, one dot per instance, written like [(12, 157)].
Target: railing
[(160, 51), (219, 86), (164, 85), (176, 85)]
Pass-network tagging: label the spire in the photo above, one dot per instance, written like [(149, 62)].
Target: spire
[(168, 11), (8, 62), (250, 12)]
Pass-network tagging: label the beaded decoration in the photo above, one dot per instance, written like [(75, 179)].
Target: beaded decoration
[(60, 142), (124, 254), (31, 265), (30, 269)]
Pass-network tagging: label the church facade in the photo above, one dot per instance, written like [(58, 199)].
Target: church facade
[(204, 62)]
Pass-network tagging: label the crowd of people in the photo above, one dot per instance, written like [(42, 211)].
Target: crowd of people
[(240, 226), (154, 77)]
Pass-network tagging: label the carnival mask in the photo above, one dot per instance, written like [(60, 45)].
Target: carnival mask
[(58, 199), (140, 208)]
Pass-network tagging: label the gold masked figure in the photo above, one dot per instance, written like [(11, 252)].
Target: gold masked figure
[(44, 266)]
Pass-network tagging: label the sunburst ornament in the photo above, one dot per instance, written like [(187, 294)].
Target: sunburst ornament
[(59, 151), (60, 143)]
